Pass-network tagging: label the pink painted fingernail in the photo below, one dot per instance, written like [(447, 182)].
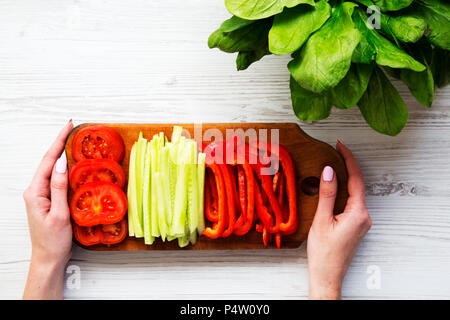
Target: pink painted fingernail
[(61, 164), (328, 174)]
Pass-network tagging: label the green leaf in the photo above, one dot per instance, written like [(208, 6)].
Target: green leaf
[(247, 38), (384, 51), (259, 9), (246, 58), (440, 67), (392, 5), (382, 106), (309, 106), (326, 57), (421, 84), (234, 23), (406, 28), (437, 16), (293, 26), (350, 90)]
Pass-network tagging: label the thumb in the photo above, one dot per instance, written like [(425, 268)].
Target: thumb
[(327, 194), (58, 188)]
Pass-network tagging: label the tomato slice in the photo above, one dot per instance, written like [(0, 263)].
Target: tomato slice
[(98, 142), (114, 233), (87, 236), (98, 203), (106, 233), (92, 170)]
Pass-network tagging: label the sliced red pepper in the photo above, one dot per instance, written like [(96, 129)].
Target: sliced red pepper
[(267, 236), (250, 203), (278, 239), (280, 195), (210, 212), (242, 197), (237, 204), (263, 213), (220, 225), (231, 205), (288, 168)]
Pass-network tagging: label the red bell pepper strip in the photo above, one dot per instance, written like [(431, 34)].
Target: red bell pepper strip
[(267, 236), (237, 204), (220, 225), (229, 195), (278, 240), (210, 212), (259, 226), (242, 197), (263, 212), (248, 212), (267, 187), (288, 168)]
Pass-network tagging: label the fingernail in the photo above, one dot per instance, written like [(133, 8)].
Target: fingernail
[(61, 164), (328, 174), (340, 141)]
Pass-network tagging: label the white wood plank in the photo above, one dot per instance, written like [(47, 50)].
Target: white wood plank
[(148, 61)]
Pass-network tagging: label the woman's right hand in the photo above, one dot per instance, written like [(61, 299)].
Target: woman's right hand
[(333, 240)]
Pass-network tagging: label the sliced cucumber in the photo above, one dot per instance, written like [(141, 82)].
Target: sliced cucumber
[(201, 187), (148, 238)]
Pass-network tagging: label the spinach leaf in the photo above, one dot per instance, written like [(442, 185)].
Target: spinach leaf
[(406, 28), (293, 26), (234, 23), (384, 51), (246, 58), (437, 16), (350, 90), (440, 66), (382, 106), (247, 38), (259, 9), (307, 105), (421, 84), (392, 5), (326, 57)]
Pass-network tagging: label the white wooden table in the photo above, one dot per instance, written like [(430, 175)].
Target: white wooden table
[(148, 61)]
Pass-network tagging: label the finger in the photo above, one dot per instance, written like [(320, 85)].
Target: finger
[(327, 194), (45, 168), (58, 188), (355, 186)]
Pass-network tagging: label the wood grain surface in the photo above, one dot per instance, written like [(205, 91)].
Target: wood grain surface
[(310, 156), (148, 61)]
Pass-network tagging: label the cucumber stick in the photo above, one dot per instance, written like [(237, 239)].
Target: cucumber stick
[(131, 191), (141, 149), (192, 208), (133, 195), (201, 187), (165, 189), (148, 238), (178, 224), (153, 207)]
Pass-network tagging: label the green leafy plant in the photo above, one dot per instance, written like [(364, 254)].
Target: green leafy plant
[(340, 57)]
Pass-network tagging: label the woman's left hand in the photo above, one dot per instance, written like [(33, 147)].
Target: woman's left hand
[(49, 223)]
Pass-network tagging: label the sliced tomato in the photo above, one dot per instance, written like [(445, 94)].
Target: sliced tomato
[(98, 142), (106, 233), (98, 203), (114, 233), (87, 236), (92, 170)]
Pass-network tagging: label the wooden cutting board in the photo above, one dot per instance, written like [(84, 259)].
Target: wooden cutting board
[(308, 154)]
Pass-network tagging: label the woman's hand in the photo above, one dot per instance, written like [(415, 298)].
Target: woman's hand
[(333, 240), (49, 223)]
